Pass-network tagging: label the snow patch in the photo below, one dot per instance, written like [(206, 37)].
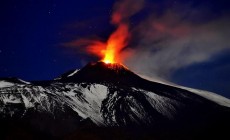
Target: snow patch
[(26, 101), (73, 73), (10, 99), (162, 104), (24, 81), (6, 84)]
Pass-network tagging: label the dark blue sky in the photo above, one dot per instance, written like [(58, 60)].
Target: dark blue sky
[(33, 32)]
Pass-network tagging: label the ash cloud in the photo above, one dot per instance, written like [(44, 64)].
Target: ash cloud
[(167, 38), (173, 40)]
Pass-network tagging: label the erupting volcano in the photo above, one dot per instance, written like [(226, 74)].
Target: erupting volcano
[(105, 100), (101, 100)]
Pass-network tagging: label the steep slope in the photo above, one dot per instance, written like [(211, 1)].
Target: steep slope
[(101, 72), (108, 95)]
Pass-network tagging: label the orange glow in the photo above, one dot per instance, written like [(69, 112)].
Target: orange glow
[(109, 50), (115, 43), (109, 56), (113, 49)]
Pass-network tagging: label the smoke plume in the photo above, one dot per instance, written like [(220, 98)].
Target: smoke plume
[(108, 51), (170, 41), (161, 42)]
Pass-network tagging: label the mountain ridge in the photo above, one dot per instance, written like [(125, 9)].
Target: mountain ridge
[(107, 96)]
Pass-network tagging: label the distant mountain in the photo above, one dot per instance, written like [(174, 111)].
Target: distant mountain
[(108, 101)]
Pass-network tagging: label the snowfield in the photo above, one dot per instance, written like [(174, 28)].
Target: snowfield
[(111, 96)]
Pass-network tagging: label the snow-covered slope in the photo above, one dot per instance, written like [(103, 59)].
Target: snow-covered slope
[(210, 96), (5, 84), (107, 95), (206, 94), (9, 82)]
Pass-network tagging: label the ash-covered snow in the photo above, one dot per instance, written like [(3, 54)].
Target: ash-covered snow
[(206, 94), (210, 96), (162, 104)]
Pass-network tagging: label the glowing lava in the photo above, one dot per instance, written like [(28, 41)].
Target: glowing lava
[(115, 43), (112, 50), (109, 57)]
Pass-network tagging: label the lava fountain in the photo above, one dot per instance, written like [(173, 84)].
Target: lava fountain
[(115, 43), (109, 51)]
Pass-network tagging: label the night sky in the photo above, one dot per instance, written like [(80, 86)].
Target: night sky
[(182, 41)]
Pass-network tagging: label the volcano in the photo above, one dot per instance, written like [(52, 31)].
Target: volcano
[(108, 101)]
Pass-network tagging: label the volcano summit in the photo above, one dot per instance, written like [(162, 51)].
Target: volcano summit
[(108, 101)]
